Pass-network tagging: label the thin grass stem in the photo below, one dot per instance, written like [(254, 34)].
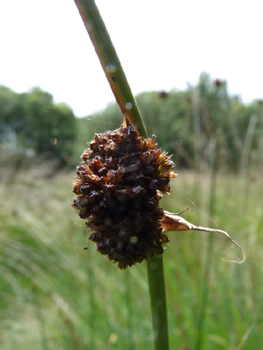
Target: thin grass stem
[(120, 87), (158, 302), (110, 62), (208, 258)]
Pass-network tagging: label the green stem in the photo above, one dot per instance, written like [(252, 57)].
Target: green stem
[(158, 302), (208, 260), (121, 89), (110, 62)]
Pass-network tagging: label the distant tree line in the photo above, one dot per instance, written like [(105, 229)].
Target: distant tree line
[(198, 125), (33, 126)]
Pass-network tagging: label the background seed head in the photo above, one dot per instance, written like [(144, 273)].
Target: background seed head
[(118, 188)]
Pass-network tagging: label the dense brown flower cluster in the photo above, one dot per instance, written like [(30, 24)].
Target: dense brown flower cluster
[(118, 192)]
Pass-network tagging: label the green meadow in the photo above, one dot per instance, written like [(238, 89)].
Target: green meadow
[(56, 295)]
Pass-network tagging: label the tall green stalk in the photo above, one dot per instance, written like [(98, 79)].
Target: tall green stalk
[(121, 89), (158, 302), (208, 258), (110, 62)]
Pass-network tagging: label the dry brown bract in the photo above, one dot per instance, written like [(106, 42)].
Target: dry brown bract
[(174, 222)]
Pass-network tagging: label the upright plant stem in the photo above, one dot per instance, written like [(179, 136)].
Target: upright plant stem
[(208, 259), (197, 140), (110, 62), (121, 89), (158, 302)]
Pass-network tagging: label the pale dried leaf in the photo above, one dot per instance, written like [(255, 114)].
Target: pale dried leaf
[(174, 222)]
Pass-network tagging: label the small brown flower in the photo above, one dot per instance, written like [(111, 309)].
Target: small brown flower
[(118, 190)]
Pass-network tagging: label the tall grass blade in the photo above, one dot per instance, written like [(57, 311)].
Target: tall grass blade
[(158, 302), (121, 89), (208, 258), (110, 62)]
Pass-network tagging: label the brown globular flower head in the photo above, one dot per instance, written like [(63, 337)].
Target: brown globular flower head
[(118, 190)]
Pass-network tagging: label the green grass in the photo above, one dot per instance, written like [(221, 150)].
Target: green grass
[(55, 295)]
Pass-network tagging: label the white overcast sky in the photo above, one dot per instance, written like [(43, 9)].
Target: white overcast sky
[(162, 45)]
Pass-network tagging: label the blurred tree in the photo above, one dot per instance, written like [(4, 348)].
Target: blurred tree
[(189, 124), (192, 124), (32, 125)]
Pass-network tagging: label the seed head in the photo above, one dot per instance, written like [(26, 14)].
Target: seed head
[(118, 190)]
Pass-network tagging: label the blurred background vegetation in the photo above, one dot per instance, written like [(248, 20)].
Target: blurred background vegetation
[(199, 121), (55, 295)]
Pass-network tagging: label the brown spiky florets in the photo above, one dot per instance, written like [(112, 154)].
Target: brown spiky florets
[(118, 192)]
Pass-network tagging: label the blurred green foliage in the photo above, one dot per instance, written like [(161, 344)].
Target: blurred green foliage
[(194, 125), (32, 125), (55, 295)]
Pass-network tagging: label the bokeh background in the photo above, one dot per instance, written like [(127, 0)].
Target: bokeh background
[(196, 71)]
